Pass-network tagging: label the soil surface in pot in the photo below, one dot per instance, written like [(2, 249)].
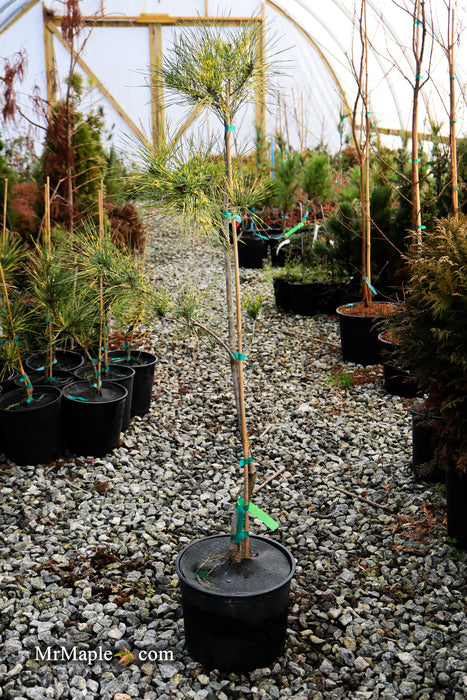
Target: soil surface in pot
[(90, 394), (38, 399), (377, 308), (266, 569)]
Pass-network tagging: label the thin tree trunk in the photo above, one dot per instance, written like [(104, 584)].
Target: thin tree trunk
[(418, 44)]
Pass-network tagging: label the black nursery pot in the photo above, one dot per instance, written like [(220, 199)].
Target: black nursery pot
[(235, 615), (276, 237), (68, 360), (91, 422), (397, 380), (422, 443), (252, 249), (30, 433), (456, 498), (281, 293), (59, 378), (359, 338), (308, 299), (121, 374), (144, 365)]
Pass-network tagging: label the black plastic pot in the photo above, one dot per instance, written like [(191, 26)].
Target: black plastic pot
[(456, 498), (397, 380), (281, 293), (423, 422), (235, 614), (276, 237), (30, 433), (8, 381), (121, 374), (312, 298), (252, 249), (359, 338), (68, 360), (59, 378), (91, 422), (144, 365)]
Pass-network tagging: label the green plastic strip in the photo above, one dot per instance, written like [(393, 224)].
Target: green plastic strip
[(415, 160), (295, 228), (76, 398), (248, 460), (239, 356), (421, 227), (230, 127), (259, 514)]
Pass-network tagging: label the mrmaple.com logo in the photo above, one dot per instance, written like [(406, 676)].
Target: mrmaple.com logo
[(90, 656)]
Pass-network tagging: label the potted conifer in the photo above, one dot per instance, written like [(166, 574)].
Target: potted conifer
[(235, 587), (433, 346), (29, 416)]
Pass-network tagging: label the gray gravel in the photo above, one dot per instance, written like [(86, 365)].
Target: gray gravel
[(88, 545)]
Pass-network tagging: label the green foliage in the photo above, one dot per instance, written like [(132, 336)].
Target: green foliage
[(252, 303), (433, 333), (215, 66), (344, 380), (287, 171), (316, 178)]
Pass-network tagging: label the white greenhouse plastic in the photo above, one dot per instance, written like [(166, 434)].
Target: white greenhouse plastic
[(316, 41)]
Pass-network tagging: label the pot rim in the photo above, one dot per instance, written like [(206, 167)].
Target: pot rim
[(105, 383), (229, 594), (44, 389)]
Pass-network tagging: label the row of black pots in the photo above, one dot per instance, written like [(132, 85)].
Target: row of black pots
[(73, 416), (253, 248), (306, 299)]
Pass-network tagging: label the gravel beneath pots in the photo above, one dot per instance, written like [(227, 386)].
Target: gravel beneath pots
[(88, 545)]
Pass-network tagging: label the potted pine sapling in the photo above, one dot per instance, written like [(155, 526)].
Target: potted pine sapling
[(50, 280), (130, 311), (235, 587), (29, 417), (93, 409)]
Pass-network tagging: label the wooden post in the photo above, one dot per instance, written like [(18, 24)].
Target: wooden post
[(157, 94), (50, 69)]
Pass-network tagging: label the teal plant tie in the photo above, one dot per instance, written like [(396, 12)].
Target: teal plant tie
[(257, 513), (417, 21), (339, 155), (239, 356), (368, 114), (230, 127), (240, 534), (77, 398), (421, 227), (454, 188), (419, 77), (454, 121), (242, 462), (307, 214), (415, 160), (370, 286)]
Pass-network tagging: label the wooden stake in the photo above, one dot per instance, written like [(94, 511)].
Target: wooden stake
[(101, 292), (5, 196), (452, 115)]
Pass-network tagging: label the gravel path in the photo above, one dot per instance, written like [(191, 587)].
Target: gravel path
[(88, 545)]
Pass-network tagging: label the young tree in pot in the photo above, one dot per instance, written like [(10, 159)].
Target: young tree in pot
[(93, 410), (220, 68), (433, 345), (29, 419)]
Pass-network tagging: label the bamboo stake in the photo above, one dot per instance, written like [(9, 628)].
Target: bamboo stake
[(101, 292), (244, 434), (48, 245), (367, 269), (452, 115), (27, 383), (418, 54), (5, 196)]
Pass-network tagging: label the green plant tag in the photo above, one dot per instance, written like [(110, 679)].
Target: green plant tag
[(259, 514)]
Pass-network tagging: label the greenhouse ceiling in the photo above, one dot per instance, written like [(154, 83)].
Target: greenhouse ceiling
[(319, 48)]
